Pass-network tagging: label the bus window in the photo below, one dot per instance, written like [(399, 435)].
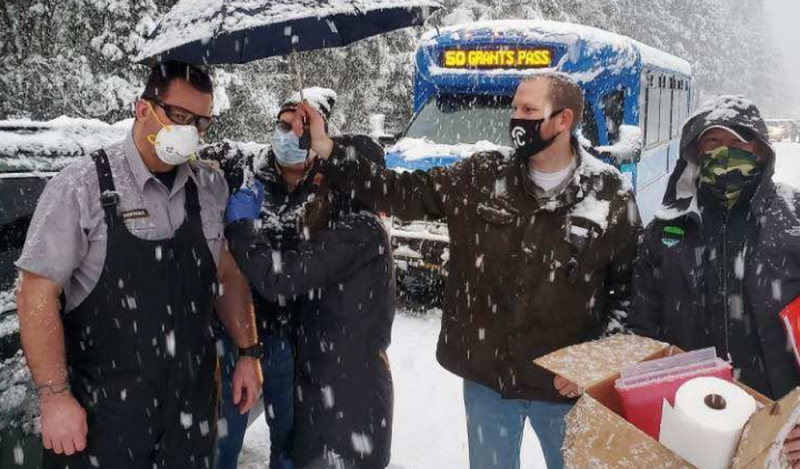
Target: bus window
[(614, 112), (454, 119), (676, 112), (680, 104), (653, 103), (589, 125), (664, 121), (643, 107)]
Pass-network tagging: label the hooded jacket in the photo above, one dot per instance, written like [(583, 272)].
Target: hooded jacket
[(706, 277)]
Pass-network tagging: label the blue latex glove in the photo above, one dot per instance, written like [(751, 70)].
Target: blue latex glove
[(245, 203)]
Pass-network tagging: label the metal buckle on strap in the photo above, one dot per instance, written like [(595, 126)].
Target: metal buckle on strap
[(109, 198)]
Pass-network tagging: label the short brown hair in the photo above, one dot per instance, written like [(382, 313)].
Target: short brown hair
[(564, 94), (163, 74)]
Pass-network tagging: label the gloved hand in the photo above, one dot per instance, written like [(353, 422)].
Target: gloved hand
[(245, 203)]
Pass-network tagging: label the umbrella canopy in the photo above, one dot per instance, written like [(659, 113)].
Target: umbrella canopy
[(210, 32)]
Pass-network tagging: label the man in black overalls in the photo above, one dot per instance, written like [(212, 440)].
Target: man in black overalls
[(130, 243)]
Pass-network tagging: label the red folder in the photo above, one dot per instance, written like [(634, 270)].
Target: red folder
[(791, 321)]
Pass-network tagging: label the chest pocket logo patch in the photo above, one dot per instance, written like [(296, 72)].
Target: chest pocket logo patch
[(672, 236)]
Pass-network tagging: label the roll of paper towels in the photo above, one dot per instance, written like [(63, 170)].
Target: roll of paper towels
[(705, 426)]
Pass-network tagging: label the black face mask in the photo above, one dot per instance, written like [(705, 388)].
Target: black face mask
[(526, 135)]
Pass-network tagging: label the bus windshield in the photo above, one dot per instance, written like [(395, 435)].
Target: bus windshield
[(454, 119)]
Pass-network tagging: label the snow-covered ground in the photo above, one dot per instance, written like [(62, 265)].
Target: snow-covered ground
[(429, 426)]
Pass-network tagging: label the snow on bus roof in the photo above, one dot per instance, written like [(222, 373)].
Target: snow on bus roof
[(660, 59), (562, 32)]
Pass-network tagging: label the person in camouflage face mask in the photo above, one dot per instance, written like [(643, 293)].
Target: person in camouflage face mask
[(728, 169), (722, 258)]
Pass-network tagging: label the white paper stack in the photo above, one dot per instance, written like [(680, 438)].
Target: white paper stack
[(705, 426)]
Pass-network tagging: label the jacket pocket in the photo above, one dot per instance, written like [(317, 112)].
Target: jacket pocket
[(495, 234), (586, 256), (496, 215)]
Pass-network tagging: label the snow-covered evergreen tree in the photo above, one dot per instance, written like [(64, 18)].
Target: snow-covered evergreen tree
[(73, 57)]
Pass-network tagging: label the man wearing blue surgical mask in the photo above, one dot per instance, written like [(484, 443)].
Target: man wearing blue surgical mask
[(287, 157), (287, 173)]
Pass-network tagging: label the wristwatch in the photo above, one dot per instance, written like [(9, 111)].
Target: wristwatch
[(254, 351)]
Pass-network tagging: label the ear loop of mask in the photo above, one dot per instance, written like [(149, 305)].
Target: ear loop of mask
[(152, 137)]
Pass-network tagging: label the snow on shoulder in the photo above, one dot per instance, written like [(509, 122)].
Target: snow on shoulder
[(592, 166), (591, 208)]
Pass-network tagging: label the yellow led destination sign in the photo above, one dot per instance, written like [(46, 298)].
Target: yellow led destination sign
[(498, 58)]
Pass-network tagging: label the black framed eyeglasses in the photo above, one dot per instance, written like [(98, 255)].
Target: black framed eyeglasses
[(182, 116)]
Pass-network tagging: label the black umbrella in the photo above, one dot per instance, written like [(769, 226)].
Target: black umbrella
[(209, 32)]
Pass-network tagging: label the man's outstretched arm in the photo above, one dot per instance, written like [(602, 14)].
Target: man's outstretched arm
[(409, 195)]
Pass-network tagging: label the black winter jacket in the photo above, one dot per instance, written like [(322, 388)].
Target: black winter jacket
[(707, 278), (344, 393)]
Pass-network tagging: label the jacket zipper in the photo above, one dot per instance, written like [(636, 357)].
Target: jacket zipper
[(725, 282)]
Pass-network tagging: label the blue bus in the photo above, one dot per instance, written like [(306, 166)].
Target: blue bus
[(466, 76), (464, 82)]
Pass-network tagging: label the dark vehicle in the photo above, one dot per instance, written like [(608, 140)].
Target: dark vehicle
[(421, 252)]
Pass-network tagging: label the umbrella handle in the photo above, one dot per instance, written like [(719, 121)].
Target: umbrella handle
[(305, 139)]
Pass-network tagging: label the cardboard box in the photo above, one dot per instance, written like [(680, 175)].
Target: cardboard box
[(599, 437)]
